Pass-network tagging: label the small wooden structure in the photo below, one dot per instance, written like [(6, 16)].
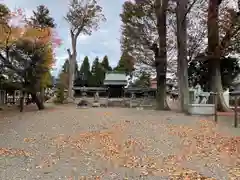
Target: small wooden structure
[(115, 82), (142, 97)]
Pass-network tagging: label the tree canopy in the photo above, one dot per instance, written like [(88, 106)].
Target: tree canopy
[(27, 50), (83, 17), (105, 64), (97, 71), (125, 64), (199, 72), (92, 75)]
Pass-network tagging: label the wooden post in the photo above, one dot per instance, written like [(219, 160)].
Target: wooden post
[(235, 112), (216, 107)]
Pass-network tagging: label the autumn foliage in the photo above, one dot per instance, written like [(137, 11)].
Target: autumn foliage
[(11, 33), (28, 49)]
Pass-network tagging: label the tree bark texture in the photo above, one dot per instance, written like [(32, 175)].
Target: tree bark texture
[(161, 58), (214, 53), (182, 55), (21, 105), (72, 60)]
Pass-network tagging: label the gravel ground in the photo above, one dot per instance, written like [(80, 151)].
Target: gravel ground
[(64, 142)]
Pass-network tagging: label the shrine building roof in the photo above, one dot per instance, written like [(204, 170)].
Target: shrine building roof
[(115, 79)]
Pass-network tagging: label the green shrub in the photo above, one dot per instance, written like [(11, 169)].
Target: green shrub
[(59, 95)]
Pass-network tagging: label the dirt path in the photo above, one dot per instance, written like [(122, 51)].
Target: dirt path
[(115, 143)]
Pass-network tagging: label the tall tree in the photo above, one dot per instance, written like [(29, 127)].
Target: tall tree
[(85, 71), (144, 36), (105, 64), (83, 16), (31, 76), (97, 73), (182, 8), (65, 69), (85, 67), (23, 52), (41, 19), (125, 64), (161, 56), (217, 46), (66, 66)]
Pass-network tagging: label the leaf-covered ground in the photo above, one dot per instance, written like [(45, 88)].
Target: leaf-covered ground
[(115, 143)]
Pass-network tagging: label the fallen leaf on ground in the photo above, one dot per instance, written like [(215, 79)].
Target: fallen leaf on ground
[(27, 140), (13, 152)]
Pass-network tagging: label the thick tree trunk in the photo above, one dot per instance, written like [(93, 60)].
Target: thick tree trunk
[(216, 85), (37, 100), (161, 57), (182, 55), (72, 60), (214, 54), (161, 89)]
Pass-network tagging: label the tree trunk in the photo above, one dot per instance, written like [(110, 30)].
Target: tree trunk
[(182, 55), (216, 85), (37, 100), (161, 89), (214, 54), (72, 61), (21, 105), (161, 58), (42, 94)]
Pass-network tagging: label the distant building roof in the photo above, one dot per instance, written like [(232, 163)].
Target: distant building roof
[(115, 79)]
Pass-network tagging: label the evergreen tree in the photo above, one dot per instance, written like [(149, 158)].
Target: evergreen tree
[(41, 18), (85, 68), (65, 68), (125, 64), (105, 64), (62, 83), (97, 73), (85, 73)]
